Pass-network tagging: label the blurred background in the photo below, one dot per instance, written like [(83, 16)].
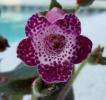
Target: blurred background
[(14, 14), (91, 83)]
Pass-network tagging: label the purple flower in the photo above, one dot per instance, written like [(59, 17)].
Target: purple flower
[(54, 45)]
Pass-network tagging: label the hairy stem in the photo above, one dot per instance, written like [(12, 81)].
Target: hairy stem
[(68, 86), (77, 8)]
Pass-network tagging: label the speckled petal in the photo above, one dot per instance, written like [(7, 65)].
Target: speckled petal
[(36, 24), (70, 24), (56, 73), (83, 48), (26, 52), (44, 56), (54, 14)]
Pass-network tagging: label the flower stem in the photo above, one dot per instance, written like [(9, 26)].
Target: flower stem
[(77, 8), (67, 87)]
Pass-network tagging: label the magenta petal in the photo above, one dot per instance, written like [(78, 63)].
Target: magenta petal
[(35, 24), (54, 14), (26, 52), (83, 48), (55, 73), (70, 24)]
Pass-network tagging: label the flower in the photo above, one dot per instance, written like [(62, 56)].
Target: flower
[(54, 45)]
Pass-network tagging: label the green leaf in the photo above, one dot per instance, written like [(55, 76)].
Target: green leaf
[(54, 3), (16, 97), (17, 87), (21, 72)]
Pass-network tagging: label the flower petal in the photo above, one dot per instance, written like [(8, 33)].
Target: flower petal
[(83, 48), (55, 73), (26, 52), (54, 14), (70, 24), (35, 24), (44, 56)]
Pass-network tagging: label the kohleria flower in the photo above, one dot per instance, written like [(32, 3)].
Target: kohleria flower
[(54, 45)]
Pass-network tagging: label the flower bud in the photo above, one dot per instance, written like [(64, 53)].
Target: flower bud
[(84, 2), (41, 90), (3, 44), (96, 56)]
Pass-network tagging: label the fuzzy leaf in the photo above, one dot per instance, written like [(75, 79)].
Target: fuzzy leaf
[(17, 87), (16, 97), (54, 3), (21, 72)]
